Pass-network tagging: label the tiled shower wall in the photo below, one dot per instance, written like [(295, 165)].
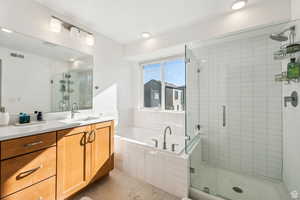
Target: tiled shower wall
[(238, 74)]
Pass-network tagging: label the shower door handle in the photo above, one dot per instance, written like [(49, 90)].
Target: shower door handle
[(224, 115)]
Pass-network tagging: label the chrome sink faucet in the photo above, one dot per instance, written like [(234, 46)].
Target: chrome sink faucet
[(165, 136), (74, 110)]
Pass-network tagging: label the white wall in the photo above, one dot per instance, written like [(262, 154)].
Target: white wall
[(295, 8), (267, 12), (112, 74), (291, 127)]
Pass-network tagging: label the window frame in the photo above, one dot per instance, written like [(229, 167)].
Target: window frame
[(162, 62)]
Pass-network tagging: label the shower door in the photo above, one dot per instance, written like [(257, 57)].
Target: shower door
[(192, 116), (233, 98)]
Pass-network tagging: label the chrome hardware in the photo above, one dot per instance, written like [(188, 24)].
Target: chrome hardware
[(224, 115), (33, 144), (173, 147), (187, 60), (155, 142), (165, 136), (293, 99), (192, 170), (187, 137), (74, 110)]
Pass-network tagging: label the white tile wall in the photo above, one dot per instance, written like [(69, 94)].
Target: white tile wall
[(156, 120), (240, 75)]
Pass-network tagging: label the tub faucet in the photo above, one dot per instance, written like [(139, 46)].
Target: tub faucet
[(165, 136)]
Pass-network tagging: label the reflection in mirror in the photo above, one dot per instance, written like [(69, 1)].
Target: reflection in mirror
[(42, 76)]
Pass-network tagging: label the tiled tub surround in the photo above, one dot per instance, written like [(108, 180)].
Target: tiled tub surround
[(136, 155), (240, 75)]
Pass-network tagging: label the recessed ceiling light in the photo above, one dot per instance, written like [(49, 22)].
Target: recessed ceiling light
[(239, 4), (6, 30), (146, 35)]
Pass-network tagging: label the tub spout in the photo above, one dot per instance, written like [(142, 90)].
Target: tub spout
[(165, 136)]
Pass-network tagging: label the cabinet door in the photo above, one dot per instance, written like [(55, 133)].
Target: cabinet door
[(100, 140), (73, 166)]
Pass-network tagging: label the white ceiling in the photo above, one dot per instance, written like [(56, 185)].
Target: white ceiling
[(124, 20)]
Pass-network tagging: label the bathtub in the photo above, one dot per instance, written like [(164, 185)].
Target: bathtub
[(136, 155)]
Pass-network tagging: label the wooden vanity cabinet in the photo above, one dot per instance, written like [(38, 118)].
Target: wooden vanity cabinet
[(55, 165), (101, 150), (84, 155), (72, 161), (28, 165)]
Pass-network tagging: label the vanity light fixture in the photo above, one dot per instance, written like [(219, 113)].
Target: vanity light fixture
[(55, 25), (146, 35), (239, 4), (6, 30)]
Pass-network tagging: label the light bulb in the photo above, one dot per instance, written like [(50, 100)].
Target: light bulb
[(90, 39), (55, 25), (6, 30), (146, 35)]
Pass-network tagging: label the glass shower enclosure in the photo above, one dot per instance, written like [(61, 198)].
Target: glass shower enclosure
[(234, 116)]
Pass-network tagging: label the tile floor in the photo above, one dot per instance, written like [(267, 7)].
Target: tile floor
[(119, 186)]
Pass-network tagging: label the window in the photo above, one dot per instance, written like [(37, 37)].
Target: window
[(164, 85), (152, 86)]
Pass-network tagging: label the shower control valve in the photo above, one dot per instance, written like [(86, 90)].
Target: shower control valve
[(293, 99)]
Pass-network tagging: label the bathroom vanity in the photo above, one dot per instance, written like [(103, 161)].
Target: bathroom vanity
[(49, 165), (49, 158)]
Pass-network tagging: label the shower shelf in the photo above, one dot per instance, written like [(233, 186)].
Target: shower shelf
[(282, 77), (287, 51)]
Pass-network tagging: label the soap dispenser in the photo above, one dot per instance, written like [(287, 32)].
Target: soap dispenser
[(4, 117)]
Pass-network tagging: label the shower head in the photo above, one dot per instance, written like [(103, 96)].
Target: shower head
[(279, 37)]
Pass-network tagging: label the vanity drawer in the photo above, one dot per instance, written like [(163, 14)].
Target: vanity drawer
[(44, 190), (15, 147), (23, 171)]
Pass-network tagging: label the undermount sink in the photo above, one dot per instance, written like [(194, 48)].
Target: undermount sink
[(83, 119), (87, 118)]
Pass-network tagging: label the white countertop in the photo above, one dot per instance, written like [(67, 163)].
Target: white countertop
[(12, 132)]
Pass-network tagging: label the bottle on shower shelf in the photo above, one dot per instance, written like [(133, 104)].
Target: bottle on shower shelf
[(293, 69)]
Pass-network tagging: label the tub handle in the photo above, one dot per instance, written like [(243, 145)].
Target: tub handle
[(155, 142), (174, 147)]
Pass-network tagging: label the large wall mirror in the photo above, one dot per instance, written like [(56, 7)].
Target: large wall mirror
[(41, 76)]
